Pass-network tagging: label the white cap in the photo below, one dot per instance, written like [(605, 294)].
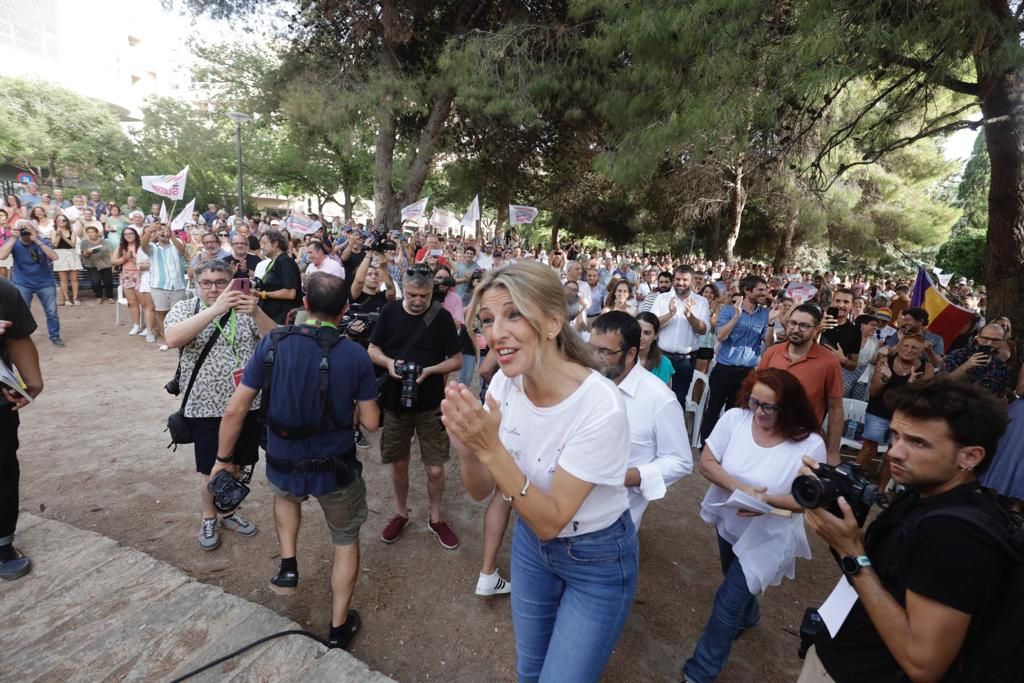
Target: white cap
[(275, 222)]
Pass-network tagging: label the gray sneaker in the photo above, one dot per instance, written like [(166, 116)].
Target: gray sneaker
[(239, 524), (209, 539)]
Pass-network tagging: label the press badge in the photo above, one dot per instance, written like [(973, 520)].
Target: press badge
[(237, 376)]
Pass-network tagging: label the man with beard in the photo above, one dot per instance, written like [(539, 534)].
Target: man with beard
[(841, 335), (684, 316), (815, 367), (243, 264), (664, 284), (659, 451)]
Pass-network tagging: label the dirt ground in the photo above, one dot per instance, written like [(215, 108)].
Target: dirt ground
[(93, 454)]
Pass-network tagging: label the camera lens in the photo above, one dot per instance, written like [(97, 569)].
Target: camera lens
[(808, 491)]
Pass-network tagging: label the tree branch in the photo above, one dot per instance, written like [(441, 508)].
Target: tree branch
[(946, 80)]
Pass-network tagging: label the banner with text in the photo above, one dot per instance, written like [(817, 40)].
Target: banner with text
[(299, 223), (169, 186), (415, 211), (518, 215)]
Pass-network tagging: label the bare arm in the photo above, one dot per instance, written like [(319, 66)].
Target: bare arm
[(835, 429), (368, 415), (25, 358), (7, 247), (360, 278), (231, 423)]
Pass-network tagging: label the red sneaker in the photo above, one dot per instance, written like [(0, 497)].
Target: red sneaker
[(445, 536), (394, 529)]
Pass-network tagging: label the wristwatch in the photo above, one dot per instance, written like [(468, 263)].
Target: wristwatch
[(852, 565)]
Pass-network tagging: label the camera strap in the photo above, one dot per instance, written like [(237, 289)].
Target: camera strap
[(326, 338), (202, 355), (428, 320)]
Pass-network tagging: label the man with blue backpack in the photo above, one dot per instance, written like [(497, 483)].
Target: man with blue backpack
[(938, 574)]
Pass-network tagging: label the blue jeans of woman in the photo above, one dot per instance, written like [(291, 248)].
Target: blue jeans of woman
[(735, 610), (468, 369), (571, 599)]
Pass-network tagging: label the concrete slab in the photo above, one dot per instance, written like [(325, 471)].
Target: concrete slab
[(94, 610)]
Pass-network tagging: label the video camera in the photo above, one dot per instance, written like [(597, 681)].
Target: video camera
[(368, 320), (828, 483), (378, 241)]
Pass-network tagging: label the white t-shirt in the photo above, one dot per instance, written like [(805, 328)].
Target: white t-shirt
[(485, 261), (587, 435), (329, 266)]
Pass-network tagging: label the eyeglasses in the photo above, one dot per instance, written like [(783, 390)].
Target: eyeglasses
[(210, 284), (803, 326), (604, 353), (990, 340), (766, 408)]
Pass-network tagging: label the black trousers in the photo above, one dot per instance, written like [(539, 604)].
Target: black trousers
[(102, 282), (9, 473), (682, 377), (724, 382)]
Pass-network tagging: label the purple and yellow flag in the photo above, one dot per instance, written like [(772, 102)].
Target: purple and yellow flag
[(945, 318)]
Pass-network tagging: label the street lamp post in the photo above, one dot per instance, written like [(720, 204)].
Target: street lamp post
[(239, 118)]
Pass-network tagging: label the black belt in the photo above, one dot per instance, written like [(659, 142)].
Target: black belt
[(678, 356), (311, 466)]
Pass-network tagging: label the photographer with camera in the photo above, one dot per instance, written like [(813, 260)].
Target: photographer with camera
[(980, 363), (932, 575), (415, 340), (33, 273), (755, 449), (312, 380), (229, 317)]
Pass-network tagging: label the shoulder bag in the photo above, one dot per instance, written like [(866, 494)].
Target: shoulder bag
[(177, 425)]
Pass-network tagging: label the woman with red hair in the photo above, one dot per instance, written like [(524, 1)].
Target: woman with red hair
[(756, 448)]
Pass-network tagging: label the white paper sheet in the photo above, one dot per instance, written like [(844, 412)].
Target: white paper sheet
[(740, 500), (10, 380), (837, 606)]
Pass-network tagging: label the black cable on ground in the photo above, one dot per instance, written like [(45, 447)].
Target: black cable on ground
[(230, 655)]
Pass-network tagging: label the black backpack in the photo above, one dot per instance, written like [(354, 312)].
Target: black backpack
[(994, 651)]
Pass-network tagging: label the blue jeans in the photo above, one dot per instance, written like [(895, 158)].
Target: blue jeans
[(735, 611), (468, 368), (681, 379), (571, 600), (48, 299)]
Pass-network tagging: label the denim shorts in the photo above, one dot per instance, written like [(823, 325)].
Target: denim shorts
[(876, 428)]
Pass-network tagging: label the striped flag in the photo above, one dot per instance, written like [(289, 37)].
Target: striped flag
[(521, 214), (945, 318), (414, 211), (169, 186)]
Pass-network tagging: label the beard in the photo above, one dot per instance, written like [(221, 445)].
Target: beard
[(614, 371)]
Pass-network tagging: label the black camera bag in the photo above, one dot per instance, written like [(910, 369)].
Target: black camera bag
[(177, 425)]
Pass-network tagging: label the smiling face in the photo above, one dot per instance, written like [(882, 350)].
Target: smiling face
[(621, 293), (509, 333), (682, 283)]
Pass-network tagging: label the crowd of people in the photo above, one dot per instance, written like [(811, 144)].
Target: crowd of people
[(560, 379)]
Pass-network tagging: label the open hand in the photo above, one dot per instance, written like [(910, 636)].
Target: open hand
[(469, 423)]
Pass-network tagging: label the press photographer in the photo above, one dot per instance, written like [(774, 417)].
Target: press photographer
[(217, 334), (367, 297), (937, 585), (312, 381), (416, 341)]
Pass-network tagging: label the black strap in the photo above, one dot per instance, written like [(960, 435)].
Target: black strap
[(428, 320), (326, 341), (202, 356)]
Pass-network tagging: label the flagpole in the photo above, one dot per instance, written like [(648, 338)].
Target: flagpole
[(917, 262)]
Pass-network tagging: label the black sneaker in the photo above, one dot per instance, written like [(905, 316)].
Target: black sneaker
[(15, 566), (343, 635), (284, 582)]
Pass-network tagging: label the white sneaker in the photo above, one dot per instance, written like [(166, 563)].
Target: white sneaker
[(150, 337), (134, 331), (492, 585), (164, 347)]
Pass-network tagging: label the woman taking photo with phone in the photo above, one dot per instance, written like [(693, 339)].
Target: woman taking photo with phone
[(554, 441)]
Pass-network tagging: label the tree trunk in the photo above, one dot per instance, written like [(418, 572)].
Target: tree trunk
[(419, 167), (349, 206), (1004, 253), (784, 250), (738, 200), (385, 201)]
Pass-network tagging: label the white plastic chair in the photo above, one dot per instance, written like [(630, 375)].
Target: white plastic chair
[(696, 407), (854, 410), (121, 301)]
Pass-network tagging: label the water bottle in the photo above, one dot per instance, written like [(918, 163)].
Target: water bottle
[(850, 431)]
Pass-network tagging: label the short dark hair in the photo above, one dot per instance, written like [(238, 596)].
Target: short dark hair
[(317, 244), (975, 417), (809, 309), (623, 323), (843, 290), (213, 266), (665, 273), (918, 314), (751, 281), (682, 270), (326, 294)]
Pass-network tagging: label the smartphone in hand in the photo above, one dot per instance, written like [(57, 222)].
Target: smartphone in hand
[(242, 284)]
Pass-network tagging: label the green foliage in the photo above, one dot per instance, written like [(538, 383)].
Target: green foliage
[(972, 192), (59, 135), (964, 254)]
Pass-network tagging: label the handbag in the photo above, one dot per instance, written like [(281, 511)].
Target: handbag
[(177, 425), (428, 320)]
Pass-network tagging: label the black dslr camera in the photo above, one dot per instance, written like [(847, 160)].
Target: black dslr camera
[(174, 386), (378, 241), (368, 320), (228, 492), (846, 480), (410, 372)]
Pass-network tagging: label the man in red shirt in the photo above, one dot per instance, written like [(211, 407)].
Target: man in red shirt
[(815, 367)]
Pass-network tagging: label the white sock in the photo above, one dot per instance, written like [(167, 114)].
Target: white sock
[(489, 576)]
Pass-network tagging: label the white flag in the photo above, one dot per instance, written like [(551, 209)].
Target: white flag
[(179, 221), (472, 213), (414, 211), (441, 218), (299, 223), (944, 278), (169, 186), (163, 213), (521, 214)]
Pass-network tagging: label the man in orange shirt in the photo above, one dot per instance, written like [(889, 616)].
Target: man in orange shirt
[(816, 368)]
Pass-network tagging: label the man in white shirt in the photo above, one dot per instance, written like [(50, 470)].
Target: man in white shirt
[(485, 259), (684, 316), (659, 447), (320, 263), (574, 273)]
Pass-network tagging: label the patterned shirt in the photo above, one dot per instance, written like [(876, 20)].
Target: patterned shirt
[(994, 375)]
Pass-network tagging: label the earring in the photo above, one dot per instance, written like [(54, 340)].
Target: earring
[(966, 469)]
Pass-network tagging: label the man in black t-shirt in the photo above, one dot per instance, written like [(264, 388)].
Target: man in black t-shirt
[(841, 335), (352, 255), (436, 350), (17, 349), (926, 583), (243, 264)]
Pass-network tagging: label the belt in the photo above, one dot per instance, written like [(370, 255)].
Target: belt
[(310, 466), (678, 356)]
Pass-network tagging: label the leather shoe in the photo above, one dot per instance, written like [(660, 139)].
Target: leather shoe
[(15, 568)]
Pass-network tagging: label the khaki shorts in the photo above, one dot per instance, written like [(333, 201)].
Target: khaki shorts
[(398, 431), (163, 299), (345, 510), (814, 670)]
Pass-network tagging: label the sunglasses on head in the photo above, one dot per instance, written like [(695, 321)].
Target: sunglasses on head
[(419, 269)]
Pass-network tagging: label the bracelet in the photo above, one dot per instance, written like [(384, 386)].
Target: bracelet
[(263, 295), (227, 461), (526, 487)]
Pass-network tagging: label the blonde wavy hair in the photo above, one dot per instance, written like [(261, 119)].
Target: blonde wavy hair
[(536, 292)]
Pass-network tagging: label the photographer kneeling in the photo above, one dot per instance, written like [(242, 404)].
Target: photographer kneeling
[(930, 574), (233, 321), (312, 378)]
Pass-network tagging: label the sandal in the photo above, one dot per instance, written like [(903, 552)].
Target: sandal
[(77, 302)]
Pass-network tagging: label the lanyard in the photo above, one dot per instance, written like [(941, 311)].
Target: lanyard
[(229, 335), (270, 267), (320, 323)]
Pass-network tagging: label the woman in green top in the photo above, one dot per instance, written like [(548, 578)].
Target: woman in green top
[(650, 354), (113, 224)]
